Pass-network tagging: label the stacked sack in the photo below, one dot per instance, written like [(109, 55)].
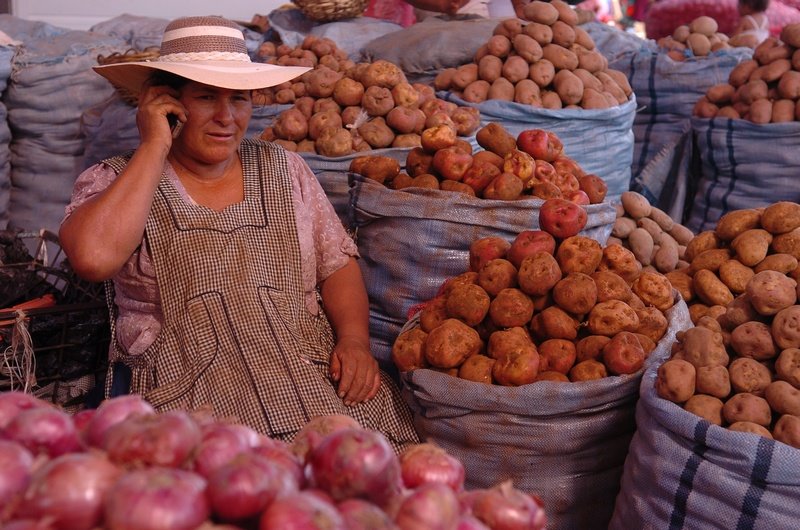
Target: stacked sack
[(719, 421), (747, 133)]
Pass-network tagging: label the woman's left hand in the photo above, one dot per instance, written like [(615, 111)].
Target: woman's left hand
[(355, 371)]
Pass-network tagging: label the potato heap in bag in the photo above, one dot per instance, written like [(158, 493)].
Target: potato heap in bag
[(508, 168), (549, 305), (547, 61), (764, 89), (740, 367), (699, 38)]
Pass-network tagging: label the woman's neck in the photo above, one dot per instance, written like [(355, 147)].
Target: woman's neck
[(214, 186)]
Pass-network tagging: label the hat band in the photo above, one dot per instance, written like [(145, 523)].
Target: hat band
[(204, 31), (204, 56)]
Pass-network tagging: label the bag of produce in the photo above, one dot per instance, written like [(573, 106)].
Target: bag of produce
[(412, 240), (6, 56), (565, 440), (682, 471), (742, 165)]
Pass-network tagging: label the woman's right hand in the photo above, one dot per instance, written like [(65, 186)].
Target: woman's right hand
[(156, 103)]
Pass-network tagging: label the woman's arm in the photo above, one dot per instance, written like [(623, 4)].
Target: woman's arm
[(449, 7), (101, 234), (345, 302)]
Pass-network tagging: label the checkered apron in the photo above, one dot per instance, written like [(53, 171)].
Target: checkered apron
[(236, 334)]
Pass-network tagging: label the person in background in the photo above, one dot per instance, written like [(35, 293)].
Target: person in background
[(235, 285), (753, 27)]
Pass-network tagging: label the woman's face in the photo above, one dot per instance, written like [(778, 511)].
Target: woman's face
[(217, 122)]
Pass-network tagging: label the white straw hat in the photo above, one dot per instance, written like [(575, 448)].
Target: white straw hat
[(210, 50)]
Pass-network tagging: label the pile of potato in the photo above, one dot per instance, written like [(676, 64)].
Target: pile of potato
[(531, 165), (740, 367), (341, 107), (548, 62), (764, 89), (657, 241), (700, 37), (543, 307)]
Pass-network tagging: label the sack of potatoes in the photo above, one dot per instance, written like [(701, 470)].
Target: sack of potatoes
[(699, 38)]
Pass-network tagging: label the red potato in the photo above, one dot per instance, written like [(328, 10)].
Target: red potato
[(562, 218), (479, 175), (485, 249), (529, 242), (623, 354), (540, 144), (451, 163)]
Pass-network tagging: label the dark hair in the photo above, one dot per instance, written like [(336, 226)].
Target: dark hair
[(161, 77), (755, 5)]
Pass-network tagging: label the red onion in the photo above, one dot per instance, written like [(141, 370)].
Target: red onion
[(70, 490), (424, 463), (28, 524), (432, 506), (15, 471), (111, 412), (356, 463), (13, 402), (220, 443), (44, 430), (503, 507), (359, 514), (317, 428), (281, 455), (157, 498), (166, 439), (244, 486), (301, 511), (81, 420)]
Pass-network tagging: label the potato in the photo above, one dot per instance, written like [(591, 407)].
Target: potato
[(562, 218), (760, 111), (735, 222), (781, 217), (703, 241), (735, 275), (501, 88), (376, 167), (654, 289), (469, 303), (611, 286), (477, 368), (741, 72), (291, 124), (750, 427), (683, 283), (747, 407), (635, 204), (526, 91), (740, 311), (506, 341), (707, 407), (497, 274), (704, 25), (749, 375), (541, 12), (497, 45), (527, 48), (490, 68), (495, 138), (709, 260), (783, 398), (771, 291), (587, 370), (408, 350), (557, 355), (560, 57), (787, 430), (713, 381), (698, 44), (376, 133), (382, 73), (787, 243), (754, 340), (786, 327), (511, 308), (652, 323), (612, 317), (538, 273), (787, 366), (568, 87), (449, 344), (443, 80), (579, 254), (590, 347), (433, 313), (623, 354), (554, 323), (542, 72), (576, 293), (710, 289), (702, 347)]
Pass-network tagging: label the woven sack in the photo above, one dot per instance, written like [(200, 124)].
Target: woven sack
[(329, 10)]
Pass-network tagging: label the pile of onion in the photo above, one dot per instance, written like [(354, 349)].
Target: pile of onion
[(124, 466)]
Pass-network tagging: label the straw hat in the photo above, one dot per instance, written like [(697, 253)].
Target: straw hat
[(210, 50)]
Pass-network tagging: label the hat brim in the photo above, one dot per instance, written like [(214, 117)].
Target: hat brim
[(223, 74)]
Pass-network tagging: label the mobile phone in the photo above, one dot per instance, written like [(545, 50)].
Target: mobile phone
[(175, 125)]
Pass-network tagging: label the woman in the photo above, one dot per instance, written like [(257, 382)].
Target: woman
[(753, 27), (221, 250)]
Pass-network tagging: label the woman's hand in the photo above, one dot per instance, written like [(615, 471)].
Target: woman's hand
[(156, 104), (355, 371)]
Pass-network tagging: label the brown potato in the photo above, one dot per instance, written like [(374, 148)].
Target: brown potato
[(735, 275), (702, 347), (469, 303), (542, 72), (707, 407), (787, 243), (590, 347), (620, 261), (783, 263), (751, 246), (579, 254), (538, 273), (554, 323), (511, 308), (787, 367), (703, 241), (749, 375), (654, 289), (740, 311), (612, 317), (560, 57), (713, 381), (541, 33), (515, 369), (587, 370), (754, 340), (408, 350), (506, 341), (497, 274), (676, 380), (787, 430), (786, 327), (781, 217), (477, 368), (433, 313), (495, 138), (711, 259), (750, 427), (735, 222), (771, 291), (710, 289), (747, 407), (557, 355), (576, 293), (623, 354), (683, 283), (652, 323), (448, 345), (783, 398)]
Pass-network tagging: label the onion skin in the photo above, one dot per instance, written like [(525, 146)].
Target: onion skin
[(14, 402), (432, 506), (425, 463), (356, 463), (505, 508), (468, 522), (282, 455), (70, 490), (112, 411), (359, 514), (303, 510), (166, 439), (317, 428), (16, 464), (218, 446), (44, 430), (157, 498)]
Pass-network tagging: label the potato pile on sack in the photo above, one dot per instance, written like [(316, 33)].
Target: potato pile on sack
[(699, 38), (738, 367), (657, 240), (123, 466), (548, 62), (531, 165), (549, 305), (730, 385), (341, 107), (764, 89)]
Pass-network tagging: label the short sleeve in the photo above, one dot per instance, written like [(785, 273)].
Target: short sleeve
[(92, 181)]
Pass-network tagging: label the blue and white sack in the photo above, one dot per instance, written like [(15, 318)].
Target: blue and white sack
[(601, 141), (565, 442), (684, 472), (666, 92), (742, 165), (411, 241), (7, 51)]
